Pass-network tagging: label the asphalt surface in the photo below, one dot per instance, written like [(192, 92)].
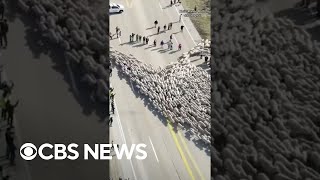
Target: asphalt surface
[(170, 154), (49, 111)]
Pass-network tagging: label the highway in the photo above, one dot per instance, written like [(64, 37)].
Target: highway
[(170, 154)]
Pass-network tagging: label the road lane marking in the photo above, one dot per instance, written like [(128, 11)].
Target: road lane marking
[(185, 25), (153, 149), (129, 4), (73, 84), (175, 38), (190, 156), (180, 150), (122, 134), (160, 6)]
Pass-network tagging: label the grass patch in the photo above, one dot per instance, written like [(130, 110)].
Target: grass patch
[(203, 22)]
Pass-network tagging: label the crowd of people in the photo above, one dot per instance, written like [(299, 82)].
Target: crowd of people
[(134, 37), (7, 114)]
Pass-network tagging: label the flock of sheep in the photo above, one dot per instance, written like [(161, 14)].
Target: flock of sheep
[(72, 25), (266, 104), (180, 91)]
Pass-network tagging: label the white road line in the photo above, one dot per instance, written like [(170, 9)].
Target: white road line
[(185, 26), (122, 134), (175, 39), (153, 149), (73, 84), (160, 6)]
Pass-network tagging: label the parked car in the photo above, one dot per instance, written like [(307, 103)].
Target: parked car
[(116, 8)]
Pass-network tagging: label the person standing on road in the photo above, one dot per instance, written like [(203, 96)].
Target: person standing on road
[(144, 39), (147, 40), (112, 107), (12, 151), (158, 29), (155, 43), (206, 59), (171, 37), (117, 31), (171, 2), (155, 23), (4, 30), (181, 28), (112, 96), (10, 110), (9, 140), (161, 44), (165, 27), (179, 47), (111, 146), (130, 37), (110, 121), (3, 108), (6, 88), (169, 26)]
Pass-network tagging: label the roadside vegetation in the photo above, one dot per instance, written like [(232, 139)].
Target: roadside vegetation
[(202, 22)]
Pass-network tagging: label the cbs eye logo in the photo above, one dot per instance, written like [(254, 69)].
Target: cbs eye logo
[(28, 151)]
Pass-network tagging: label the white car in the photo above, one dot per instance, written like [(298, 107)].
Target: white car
[(116, 8)]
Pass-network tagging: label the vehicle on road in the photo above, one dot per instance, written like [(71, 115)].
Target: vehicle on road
[(116, 8)]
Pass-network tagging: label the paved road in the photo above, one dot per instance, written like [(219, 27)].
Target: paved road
[(48, 110), (170, 154)]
